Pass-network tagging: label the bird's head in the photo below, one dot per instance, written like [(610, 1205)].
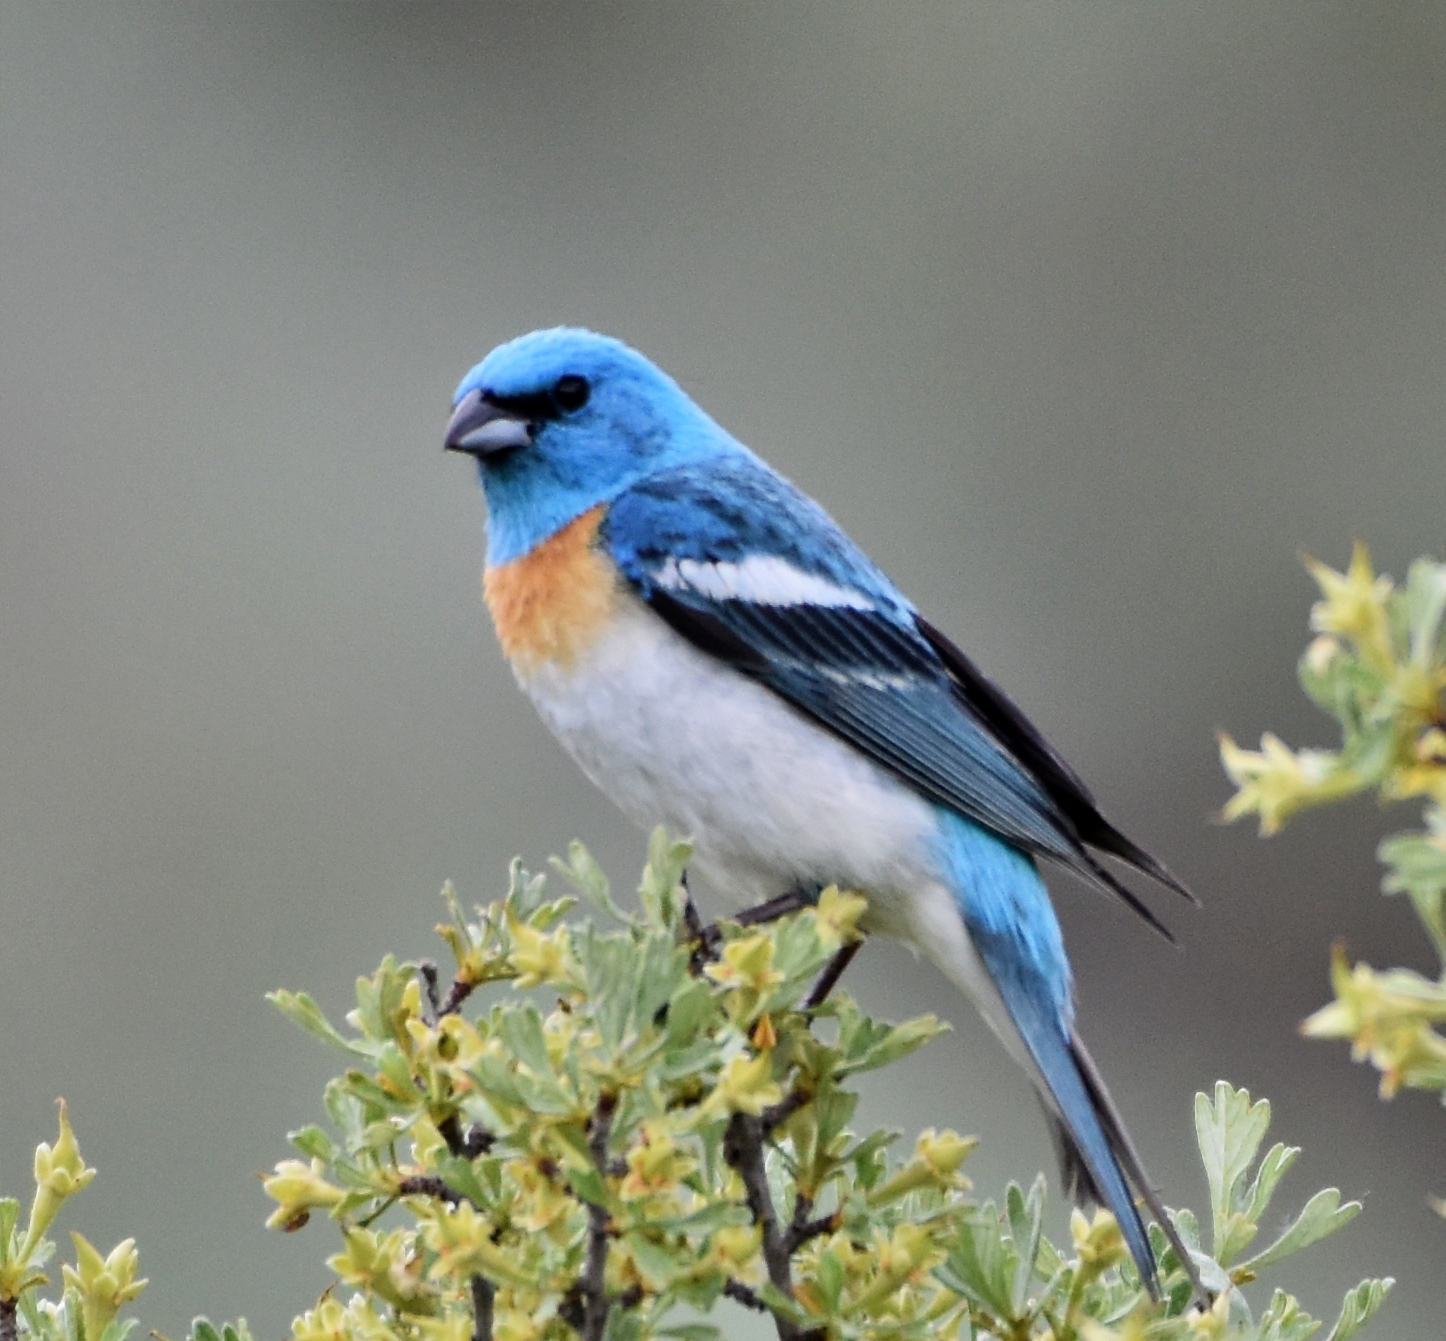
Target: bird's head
[(562, 420)]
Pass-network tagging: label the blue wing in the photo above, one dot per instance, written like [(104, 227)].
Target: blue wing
[(747, 568)]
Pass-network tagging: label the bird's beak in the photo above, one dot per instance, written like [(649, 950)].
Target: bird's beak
[(480, 428)]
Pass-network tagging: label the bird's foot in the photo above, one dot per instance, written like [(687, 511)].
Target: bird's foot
[(708, 938)]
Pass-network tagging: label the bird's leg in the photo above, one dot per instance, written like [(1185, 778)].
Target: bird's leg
[(833, 971), (709, 937), (793, 901), (704, 939)]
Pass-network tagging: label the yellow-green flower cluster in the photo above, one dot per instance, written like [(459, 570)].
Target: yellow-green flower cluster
[(1378, 665), (1388, 1019)]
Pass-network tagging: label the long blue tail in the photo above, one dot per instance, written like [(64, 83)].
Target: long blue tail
[(1014, 931), (1089, 1157)]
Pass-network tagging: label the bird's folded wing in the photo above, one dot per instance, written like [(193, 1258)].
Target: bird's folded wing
[(753, 573)]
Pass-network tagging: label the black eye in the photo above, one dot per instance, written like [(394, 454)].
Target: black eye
[(570, 393)]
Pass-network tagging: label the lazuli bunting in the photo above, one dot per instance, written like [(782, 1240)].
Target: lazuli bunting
[(719, 657)]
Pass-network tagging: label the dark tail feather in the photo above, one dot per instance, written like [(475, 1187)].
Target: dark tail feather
[(1106, 838), (1075, 1173), (1106, 880)]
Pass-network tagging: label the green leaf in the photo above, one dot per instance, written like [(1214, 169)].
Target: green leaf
[(782, 1305), (691, 1009), (1229, 1132), (9, 1218), (660, 966), (1026, 1221), (1323, 1214), (691, 1331), (544, 1095), (1424, 604), (524, 891), (1417, 863), (654, 1261), (623, 1324), (981, 1264), (1359, 1306), (1284, 1320), (830, 1279), (202, 1330), (461, 1177), (496, 1079), (313, 1143), (608, 961), (890, 1043), (659, 889), (582, 870), (522, 1034), (1273, 1167), (396, 1070), (587, 1184), (302, 1011)]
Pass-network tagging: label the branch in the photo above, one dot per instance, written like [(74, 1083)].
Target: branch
[(594, 1284), (803, 1229), (429, 1185), (743, 1149), (784, 1109), (737, 1291), (8, 1331), (828, 979), (483, 1292), (477, 1141)]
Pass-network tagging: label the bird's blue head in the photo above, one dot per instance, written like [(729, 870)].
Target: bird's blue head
[(562, 420)]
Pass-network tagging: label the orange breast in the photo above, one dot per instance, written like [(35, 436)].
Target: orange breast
[(550, 605)]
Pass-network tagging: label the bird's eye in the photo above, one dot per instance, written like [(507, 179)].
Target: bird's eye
[(570, 393)]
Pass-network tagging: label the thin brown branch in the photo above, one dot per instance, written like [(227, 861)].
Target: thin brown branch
[(704, 939), (784, 1109), (456, 995), (8, 1326), (743, 1149), (483, 1292), (596, 1303), (801, 1231), (737, 1291), (828, 979), (429, 1185), (428, 972)]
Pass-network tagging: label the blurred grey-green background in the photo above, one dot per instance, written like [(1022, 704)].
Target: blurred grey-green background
[(1085, 319)]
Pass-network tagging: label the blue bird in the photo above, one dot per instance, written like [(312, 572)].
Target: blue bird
[(719, 657)]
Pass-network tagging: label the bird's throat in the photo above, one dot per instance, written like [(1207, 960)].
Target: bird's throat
[(551, 605)]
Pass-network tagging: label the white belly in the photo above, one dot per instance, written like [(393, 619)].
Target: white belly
[(769, 799)]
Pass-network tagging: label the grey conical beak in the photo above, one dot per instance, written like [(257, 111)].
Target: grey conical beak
[(480, 428)]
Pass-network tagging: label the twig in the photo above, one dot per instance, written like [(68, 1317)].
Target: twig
[(784, 1109), (428, 972), (803, 1230), (792, 901), (594, 1283), (429, 1185), (456, 995), (8, 1329), (477, 1140), (737, 1291), (704, 939), (743, 1149), (828, 979), (483, 1292)]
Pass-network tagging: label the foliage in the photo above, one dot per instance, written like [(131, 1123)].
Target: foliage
[(1378, 666), (645, 1121), (95, 1288)]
